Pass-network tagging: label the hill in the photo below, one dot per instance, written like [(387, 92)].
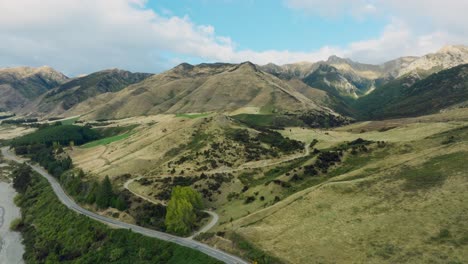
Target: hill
[(219, 87), (67, 95), (18, 86), (397, 202)]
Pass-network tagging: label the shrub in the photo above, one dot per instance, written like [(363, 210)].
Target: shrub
[(16, 224), (249, 199)]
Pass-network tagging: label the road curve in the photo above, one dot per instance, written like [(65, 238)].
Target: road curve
[(211, 224), (204, 229), (70, 203)]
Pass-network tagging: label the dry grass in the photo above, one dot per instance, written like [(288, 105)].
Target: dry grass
[(369, 216), (11, 131), (140, 153), (398, 132)]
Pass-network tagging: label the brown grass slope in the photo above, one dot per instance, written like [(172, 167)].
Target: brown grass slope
[(203, 88)]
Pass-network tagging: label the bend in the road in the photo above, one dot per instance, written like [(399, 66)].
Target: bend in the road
[(71, 204), (214, 216)]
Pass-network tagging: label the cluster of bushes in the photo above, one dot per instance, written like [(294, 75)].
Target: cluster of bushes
[(327, 159), (150, 215), (275, 139), (93, 192), (5, 116), (269, 121), (52, 158), (270, 137), (214, 182), (54, 234), (322, 120)]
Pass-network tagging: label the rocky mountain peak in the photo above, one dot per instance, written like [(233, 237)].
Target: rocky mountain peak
[(335, 59), (453, 49)]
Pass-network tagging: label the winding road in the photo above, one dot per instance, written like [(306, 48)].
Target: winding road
[(70, 203), (214, 216), (211, 224)]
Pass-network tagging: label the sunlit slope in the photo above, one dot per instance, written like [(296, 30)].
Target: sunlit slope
[(407, 207), (204, 88)]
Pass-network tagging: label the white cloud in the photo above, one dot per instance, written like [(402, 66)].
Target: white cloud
[(416, 27), (334, 8), (87, 35), (81, 36)]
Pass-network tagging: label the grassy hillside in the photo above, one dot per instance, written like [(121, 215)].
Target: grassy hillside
[(403, 203), (52, 233)]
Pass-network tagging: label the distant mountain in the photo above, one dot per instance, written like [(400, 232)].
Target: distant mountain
[(342, 77), (445, 89), (445, 58), (408, 74), (219, 87), (337, 86), (69, 94), (20, 85), (340, 83)]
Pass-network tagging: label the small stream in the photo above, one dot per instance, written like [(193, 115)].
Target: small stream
[(11, 248)]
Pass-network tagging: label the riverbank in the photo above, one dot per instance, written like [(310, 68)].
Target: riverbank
[(11, 247)]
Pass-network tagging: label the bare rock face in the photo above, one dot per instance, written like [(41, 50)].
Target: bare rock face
[(445, 58)]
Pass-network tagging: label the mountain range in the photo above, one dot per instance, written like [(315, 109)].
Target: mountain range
[(336, 86)]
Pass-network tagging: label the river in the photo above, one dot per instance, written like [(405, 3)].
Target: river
[(11, 248)]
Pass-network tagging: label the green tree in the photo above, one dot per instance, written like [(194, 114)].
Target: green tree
[(22, 178), (105, 194), (181, 210), (119, 203), (180, 217)]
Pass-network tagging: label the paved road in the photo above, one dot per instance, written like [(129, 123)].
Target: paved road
[(211, 224), (70, 203)]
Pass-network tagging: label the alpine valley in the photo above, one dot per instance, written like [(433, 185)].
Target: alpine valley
[(332, 161)]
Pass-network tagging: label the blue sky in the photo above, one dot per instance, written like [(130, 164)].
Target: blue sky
[(83, 36), (270, 24)]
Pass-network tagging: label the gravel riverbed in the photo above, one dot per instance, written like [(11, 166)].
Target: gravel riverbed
[(11, 247)]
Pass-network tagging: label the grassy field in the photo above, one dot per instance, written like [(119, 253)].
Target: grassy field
[(405, 205), (193, 116), (399, 133), (107, 140), (70, 121)]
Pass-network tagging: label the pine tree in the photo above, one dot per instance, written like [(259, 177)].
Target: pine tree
[(105, 194)]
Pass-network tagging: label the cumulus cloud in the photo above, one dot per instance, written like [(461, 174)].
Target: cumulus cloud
[(81, 36), (416, 27), (87, 35)]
